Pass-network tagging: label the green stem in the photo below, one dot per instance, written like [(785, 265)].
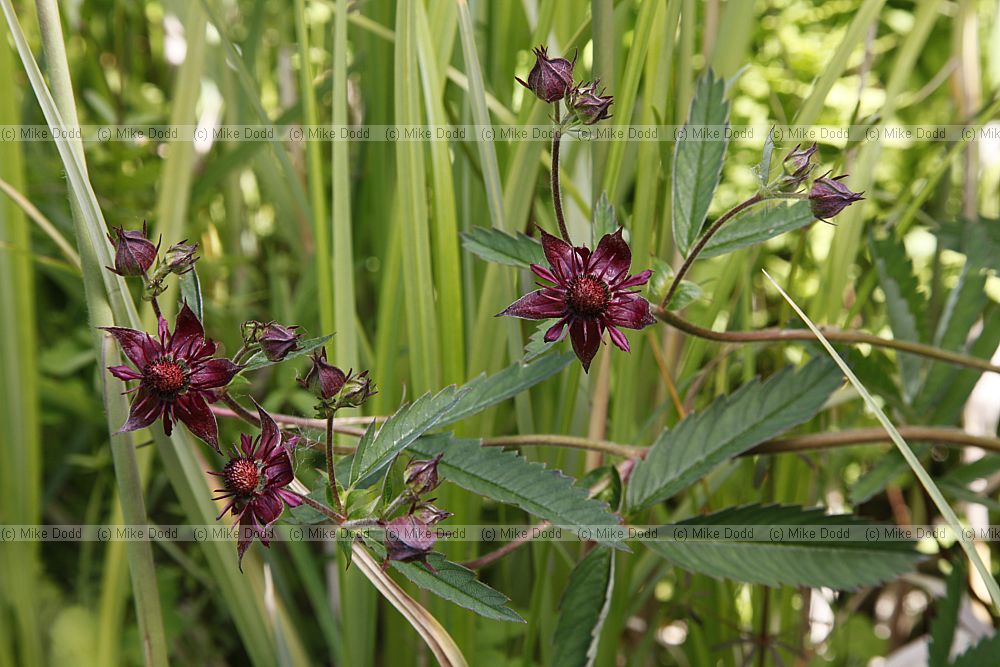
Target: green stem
[(774, 335)]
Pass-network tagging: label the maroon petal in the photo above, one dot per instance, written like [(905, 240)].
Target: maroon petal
[(267, 507), (290, 498), (192, 409), (630, 311), (538, 305), (618, 338), (214, 373), (612, 258), (124, 373), (188, 332), (637, 279), (555, 332), (279, 473), (561, 256), (246, 443), (270, 436), (544, 273), (137, 345), (586, 337), (145, 409)]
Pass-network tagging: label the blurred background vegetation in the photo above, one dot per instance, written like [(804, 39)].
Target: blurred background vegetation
[(363, 238)]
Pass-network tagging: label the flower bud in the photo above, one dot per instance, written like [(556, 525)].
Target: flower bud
[(422, 476), (589, 106), (323, 379), (408, 539), (356, 391), (430, 514), (277, 341), (797, 166), (551, 78), (134, 253), (829, 196), (180, 257)]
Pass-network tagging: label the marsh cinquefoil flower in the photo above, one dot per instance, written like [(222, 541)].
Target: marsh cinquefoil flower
[(551, 78), (591, 293), (828, 196), (278, 341), (590, 106), (177, 375), (408, 539), (255, 479), (134, 253)]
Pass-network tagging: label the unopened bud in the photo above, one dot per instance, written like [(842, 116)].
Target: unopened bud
[(134, 253)]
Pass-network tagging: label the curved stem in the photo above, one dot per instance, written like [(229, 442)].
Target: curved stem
[(556, 194), (775, 335), (500, 552), (237, 410), (703, 241), (320, 507), (951, 437)]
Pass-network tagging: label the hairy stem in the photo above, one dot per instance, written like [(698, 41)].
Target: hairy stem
[(556, 193), (775, 335), (238, 410), (321, 508), (703, 241)]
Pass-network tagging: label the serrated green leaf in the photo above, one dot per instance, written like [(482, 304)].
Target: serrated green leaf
[(905, 304), (837, 564), (698, 161), (942, 632), (190, 288), (258, 360), (495, 245), (757, 226), (605, 221), (536, 345), (507, 477), (659, 282), (454, 583), (729, 426), (380, 444), (583, 608), (485, 391)]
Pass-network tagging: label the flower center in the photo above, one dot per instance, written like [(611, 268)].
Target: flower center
[(165, 376), (241, 475), (588, 296)]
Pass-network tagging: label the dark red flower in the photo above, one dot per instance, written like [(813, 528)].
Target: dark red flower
[(551, 78), (323, 379), (277, 341), (590, 293), (255, 479), (408, 539), (134, 253), (828, 197), (590, 106), (422, 476), (176, 376)]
